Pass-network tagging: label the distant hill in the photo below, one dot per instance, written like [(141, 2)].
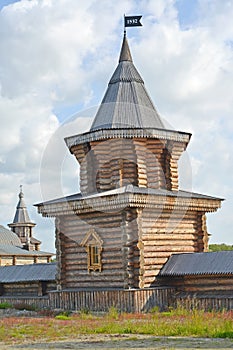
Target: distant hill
[(219, 247)]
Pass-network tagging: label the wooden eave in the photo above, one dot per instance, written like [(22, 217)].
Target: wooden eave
[(127, 133), (20, 224), (108, 203)]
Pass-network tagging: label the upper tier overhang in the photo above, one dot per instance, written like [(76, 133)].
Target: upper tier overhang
[(127, 133), (128, 196)]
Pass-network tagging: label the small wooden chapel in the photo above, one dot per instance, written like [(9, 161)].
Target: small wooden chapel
[(130, 215)]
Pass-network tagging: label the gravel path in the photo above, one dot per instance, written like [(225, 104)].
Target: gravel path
[(127, 342)]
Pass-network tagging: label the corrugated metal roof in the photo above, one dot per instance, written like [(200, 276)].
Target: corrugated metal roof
[(9, 237), (126, 103), (199, 264), (23, 273), (130, 189), (8, 249)]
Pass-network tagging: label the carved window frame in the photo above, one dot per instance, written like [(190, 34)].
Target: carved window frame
[(93, 244)]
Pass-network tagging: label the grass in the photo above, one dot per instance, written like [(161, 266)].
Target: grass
[(173, 323)]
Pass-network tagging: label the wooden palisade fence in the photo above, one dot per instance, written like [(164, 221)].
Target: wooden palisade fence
[(137, 301)]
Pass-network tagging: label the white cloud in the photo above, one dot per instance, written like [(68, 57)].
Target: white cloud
[(62, 53)]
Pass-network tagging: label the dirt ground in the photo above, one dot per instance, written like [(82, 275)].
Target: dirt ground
[(126, 342)]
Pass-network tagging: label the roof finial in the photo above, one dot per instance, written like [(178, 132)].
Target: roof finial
[(21, 191), (124, 27)]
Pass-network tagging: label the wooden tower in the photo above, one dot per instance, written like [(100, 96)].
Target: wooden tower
[(23, 226), (130, 215)]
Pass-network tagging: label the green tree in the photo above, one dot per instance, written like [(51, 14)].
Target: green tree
[(220, 247)]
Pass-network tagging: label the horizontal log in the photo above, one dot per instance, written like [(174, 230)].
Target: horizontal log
[(204, 289), (153, 237), (164, 243), (170, 249), (152, 261)]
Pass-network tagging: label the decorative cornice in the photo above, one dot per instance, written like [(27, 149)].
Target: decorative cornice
[(104, 134), (94, 235), (120, 201)]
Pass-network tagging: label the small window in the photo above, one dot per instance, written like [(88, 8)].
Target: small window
[(93, 244), (94, 258)]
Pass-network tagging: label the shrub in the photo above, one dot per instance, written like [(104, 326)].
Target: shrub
[(6, 306)]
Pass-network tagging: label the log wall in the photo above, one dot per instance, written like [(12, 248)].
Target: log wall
[(105, 165), (136, 243), (72, 256), (204, 284), (165, 233), (20, 289), (22, 260)]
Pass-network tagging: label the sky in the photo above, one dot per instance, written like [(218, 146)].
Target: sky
[(56, 59)]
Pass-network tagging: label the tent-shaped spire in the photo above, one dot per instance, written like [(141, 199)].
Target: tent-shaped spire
[(126, 103), (23, 226), (21, 214)]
